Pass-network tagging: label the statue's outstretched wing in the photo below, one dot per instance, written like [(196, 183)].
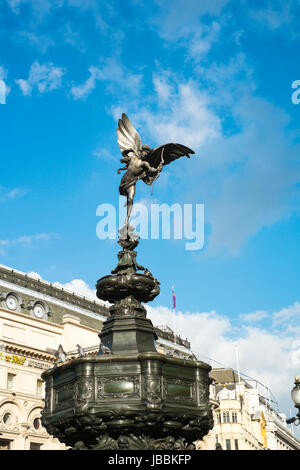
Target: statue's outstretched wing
[(166, 154), (169, 153), (128, 136)]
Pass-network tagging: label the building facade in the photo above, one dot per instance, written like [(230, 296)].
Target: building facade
[(244, 418), (35, 317)]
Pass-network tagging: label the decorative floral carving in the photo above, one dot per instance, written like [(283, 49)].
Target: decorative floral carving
[(138, 442), (83, 390), (105, 442), (152, 390), (127, 306)]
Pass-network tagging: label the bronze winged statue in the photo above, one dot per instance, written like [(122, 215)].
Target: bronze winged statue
[(141, 161)]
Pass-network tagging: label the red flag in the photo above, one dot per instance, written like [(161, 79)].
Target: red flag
[(174, 298)]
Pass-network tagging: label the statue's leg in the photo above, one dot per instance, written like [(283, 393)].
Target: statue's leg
[(130, 197)]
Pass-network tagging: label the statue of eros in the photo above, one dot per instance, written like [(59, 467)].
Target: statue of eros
[(142, 162)]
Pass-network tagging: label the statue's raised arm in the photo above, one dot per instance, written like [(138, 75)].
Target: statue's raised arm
[(142, 162)]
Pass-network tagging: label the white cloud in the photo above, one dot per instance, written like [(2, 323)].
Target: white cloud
[(24, 86), (15, 4), (203, 40), (257, 176), (287, 314), (179, 18), (265, 354), (41, 41), (44, 78), (34, 275), (104, 153), (78, 286), (5, 88), (40, 8), (81, 92), (184, 115), (192, 22), (10, 194), (29, 239), (3, 73), (254, 317), (163, 86), (73, 38), (198, 328), (274, 14), (26, 241), (113, 74), (245, 168)]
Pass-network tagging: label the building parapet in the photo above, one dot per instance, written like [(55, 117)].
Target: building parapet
[(46, 288), (175, 339)]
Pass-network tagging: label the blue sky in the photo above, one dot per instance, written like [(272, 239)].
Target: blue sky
[(215, 75)]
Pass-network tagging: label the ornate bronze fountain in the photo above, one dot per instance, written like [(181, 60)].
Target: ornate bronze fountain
[(129, 396)]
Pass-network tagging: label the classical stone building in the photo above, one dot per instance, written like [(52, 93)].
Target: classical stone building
[(244, 417), (35, 318)]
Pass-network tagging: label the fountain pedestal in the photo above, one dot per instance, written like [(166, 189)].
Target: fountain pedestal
[(133, 398)]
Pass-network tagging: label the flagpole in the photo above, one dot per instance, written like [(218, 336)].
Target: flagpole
[(174, 322), (237, 363), (174, 314)]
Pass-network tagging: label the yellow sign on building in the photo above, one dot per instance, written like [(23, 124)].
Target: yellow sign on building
[(12, 358)]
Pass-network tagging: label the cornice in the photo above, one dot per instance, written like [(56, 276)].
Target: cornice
[(30, 353)]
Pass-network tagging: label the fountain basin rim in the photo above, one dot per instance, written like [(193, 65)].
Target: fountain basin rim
[(128, 358)]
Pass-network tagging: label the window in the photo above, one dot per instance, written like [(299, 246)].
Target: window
[(228, 444), (10, 381), (7, 419), (236, 444), (234, 417), (39, 387), (35, 446), (219, 418), (36, 423), (226, 418), (5, 444)]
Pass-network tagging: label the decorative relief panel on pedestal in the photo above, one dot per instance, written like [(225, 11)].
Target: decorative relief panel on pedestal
[(118, 387), (83, 390), (179, 390), (48, 396), (63, 396), (203, 391)]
